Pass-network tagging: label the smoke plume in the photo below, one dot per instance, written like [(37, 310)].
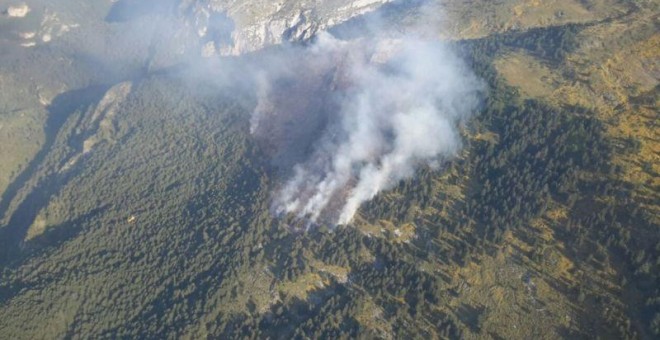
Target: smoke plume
[(342, 117), (354, 117)]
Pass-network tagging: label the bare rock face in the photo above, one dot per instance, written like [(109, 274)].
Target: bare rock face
[(238, 26)]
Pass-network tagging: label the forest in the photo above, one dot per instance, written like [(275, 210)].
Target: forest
[(164, 228)]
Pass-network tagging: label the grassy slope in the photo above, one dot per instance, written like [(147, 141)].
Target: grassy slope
[(143, 208), (612, 85)]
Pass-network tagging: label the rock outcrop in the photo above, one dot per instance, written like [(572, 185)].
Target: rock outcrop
[(18, 11), (236, 27)]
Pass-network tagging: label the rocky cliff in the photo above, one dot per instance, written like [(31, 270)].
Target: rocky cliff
[(235, 27)]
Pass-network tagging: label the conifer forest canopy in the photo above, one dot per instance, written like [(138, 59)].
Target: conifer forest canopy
[(338, 169)]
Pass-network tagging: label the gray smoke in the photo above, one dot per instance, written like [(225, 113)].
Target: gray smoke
[(342, 118), (388, 105)]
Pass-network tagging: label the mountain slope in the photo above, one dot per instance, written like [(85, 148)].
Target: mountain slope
[(140, 204)]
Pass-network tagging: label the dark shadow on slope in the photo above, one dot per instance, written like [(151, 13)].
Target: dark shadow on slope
[(41, 245), (471, 316), (12, 234)]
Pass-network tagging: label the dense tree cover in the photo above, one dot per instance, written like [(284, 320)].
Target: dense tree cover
[(549, 43), (164, 229)]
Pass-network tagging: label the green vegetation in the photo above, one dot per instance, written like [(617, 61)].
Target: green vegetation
[(163, 229)]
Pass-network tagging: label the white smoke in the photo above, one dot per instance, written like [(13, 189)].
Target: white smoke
[(396, 104), (343, 119)]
